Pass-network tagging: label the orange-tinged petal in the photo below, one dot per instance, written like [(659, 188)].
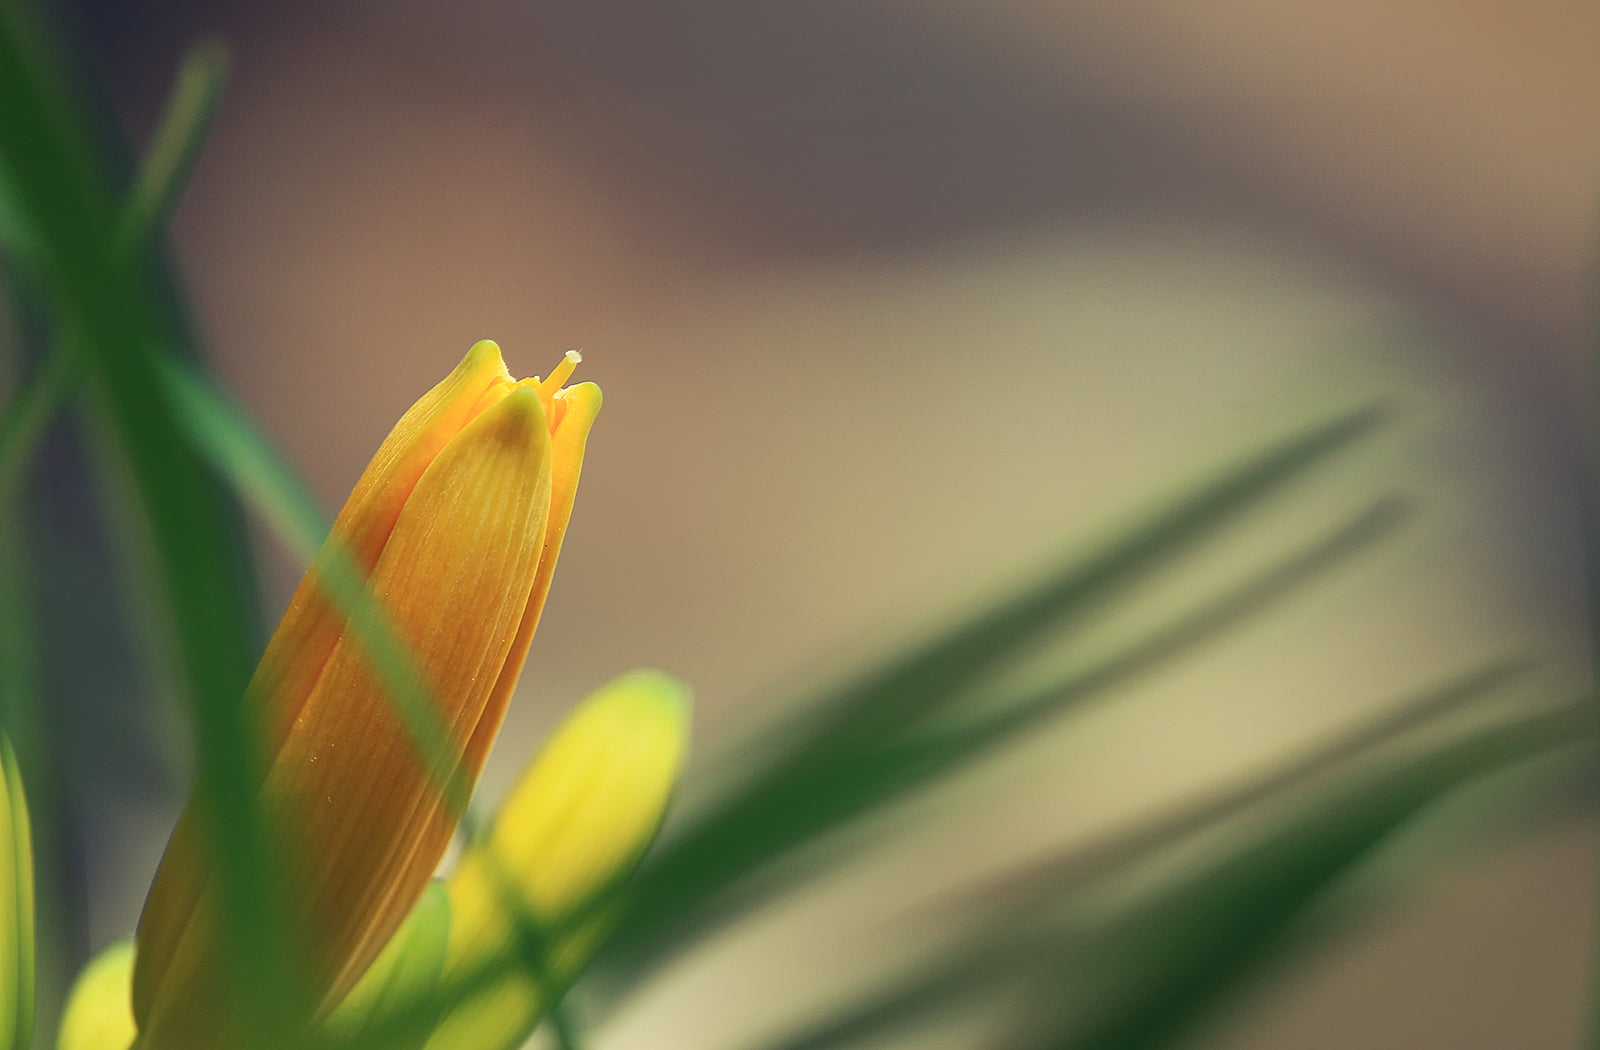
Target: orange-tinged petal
[(311, 626), (347, 786), (575, 410)]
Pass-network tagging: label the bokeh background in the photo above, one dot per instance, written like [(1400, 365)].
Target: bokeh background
[(893, 303)]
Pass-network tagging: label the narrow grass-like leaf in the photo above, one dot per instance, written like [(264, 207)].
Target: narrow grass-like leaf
[(685, 890), (1175, 960), (171, 155), (16, 908), (1014, 900), (24, 706), (1135, 842), (1152, 970), (57, 174), (32, 407), (934, 673), (947, 984), (19, 678), (1183, 635), (243, 455)]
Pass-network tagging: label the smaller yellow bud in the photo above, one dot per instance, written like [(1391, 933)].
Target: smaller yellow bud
[(99, 1014), (573, 828)]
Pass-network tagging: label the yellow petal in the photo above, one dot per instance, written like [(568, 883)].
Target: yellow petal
[(574, 826), (99, 1013)]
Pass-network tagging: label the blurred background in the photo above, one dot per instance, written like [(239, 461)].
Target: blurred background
[(892, 304)]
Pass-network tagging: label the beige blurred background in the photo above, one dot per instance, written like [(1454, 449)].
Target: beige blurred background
[(895, 302)]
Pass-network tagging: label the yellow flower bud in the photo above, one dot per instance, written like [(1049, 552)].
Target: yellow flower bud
[(573, 827), (457, 524), (99, 1014)]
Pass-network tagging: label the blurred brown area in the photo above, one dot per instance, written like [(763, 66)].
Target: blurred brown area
[(892, 302)]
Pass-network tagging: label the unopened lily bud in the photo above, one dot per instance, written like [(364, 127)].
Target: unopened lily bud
[(456, 526), (99, 1013), (573, 828)]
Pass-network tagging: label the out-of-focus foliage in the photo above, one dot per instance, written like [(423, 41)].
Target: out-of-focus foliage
[(112, 319)]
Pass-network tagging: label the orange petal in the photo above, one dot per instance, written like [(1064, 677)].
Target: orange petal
[(575, 411), (299, 649), (312, 624), (347, 787)]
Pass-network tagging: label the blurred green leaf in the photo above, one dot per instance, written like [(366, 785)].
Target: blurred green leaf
[(29, 412), (16, 908), (170, 158), (940, 750), (868, 752), (1137, 840), (1176, 959), (223, 433), (59, 176), (937, 671), (1141, 977)]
